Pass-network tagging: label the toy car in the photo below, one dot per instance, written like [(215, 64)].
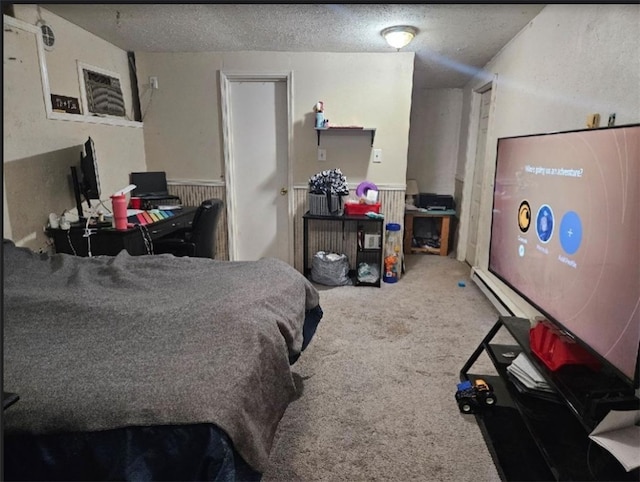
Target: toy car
[(474, 395)]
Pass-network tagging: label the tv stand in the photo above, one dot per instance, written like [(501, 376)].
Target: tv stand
[(535, 438)]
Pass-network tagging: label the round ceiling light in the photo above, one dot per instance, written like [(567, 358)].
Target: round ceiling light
[(399, 36)]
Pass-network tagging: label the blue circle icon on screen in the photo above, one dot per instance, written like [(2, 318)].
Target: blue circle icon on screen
[(570, 232), (544, 223)]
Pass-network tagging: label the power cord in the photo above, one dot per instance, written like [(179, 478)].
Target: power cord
[(148, 104), (70, 243), (146, 237), (87, 234), (104, 206)]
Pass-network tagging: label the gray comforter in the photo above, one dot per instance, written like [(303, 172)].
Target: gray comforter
[(99, 343)]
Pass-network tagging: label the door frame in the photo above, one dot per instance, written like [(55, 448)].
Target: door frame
[(472, 144), (226, 77)]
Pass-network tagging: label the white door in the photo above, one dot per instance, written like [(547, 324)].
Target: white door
[(256, 125), (478, 173)]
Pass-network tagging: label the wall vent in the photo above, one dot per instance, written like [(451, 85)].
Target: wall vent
[(48, 36), (102, 92)]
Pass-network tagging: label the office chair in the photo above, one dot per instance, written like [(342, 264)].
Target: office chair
[(200, 239)]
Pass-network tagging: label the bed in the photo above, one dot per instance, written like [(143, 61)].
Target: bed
[(148, 367)]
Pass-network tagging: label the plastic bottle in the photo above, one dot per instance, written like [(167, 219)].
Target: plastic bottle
[(119, 204), (392, 248)]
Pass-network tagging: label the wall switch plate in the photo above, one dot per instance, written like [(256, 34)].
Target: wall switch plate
[(153, 82), (593, 121), (377, 155), (322, 154)]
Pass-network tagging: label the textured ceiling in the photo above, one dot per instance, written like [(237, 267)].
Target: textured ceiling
[(453, 41)]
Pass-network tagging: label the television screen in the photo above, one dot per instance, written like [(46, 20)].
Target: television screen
[(565, 234)]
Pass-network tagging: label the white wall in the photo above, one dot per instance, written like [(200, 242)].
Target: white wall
[(433, 139), (38, 142), (570, 61), (183, 133)]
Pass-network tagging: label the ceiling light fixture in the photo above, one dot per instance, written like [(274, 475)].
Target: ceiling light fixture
[(399, 36)]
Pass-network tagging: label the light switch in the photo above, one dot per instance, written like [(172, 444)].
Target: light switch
[(377, 155), (322, 154)]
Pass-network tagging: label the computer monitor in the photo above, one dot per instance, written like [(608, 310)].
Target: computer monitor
[(86, 180), (152, 183)]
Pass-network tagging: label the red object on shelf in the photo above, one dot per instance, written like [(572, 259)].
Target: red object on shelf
[(355, 209), (556, 349)]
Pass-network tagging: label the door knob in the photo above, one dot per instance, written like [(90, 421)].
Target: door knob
[(284, 191)]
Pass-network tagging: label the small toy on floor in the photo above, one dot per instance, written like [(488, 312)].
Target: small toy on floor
[(472, 396)]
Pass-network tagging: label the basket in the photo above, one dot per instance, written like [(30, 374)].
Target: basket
[(319, 205)]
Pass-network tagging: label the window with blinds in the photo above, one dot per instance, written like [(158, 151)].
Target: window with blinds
[(102, 92)]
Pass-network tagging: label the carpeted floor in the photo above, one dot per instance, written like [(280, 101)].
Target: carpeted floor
[(378, 383)]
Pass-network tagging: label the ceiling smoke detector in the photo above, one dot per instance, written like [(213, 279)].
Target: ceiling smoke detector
[(48, 37)]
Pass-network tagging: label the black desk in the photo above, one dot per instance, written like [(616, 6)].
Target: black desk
[(109, 241)]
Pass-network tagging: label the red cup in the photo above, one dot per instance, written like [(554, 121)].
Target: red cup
[(135, 203), (119, 204)]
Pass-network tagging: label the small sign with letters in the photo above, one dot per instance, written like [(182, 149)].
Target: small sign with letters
[(61, 103)]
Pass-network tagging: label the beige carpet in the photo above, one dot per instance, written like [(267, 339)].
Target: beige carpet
[(378, 383)]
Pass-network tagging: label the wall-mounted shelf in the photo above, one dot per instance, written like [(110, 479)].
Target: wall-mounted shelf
[(353, 130)]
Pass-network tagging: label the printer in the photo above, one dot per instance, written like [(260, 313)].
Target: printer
[(438, 202)]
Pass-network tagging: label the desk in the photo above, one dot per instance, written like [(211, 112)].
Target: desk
[(445, 216), (109, 241)]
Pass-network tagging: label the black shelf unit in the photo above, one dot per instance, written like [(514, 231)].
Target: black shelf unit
[(364, 224), (350, 130), (536, 438)]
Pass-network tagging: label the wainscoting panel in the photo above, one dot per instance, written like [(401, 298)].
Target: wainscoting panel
[(193, 195), (323, 236), (335, 236)]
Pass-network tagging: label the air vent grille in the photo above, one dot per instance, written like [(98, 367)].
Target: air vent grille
[(104, 94)]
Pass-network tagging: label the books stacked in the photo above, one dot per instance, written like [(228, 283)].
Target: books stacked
[(528, 379)]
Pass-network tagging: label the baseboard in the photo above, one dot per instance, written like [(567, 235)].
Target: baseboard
[(495, 300)]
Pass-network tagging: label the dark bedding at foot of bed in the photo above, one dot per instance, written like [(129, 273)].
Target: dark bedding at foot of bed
[(185, 453)]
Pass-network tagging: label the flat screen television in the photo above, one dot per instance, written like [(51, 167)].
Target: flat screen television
[(86, 180), (565, 234)]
